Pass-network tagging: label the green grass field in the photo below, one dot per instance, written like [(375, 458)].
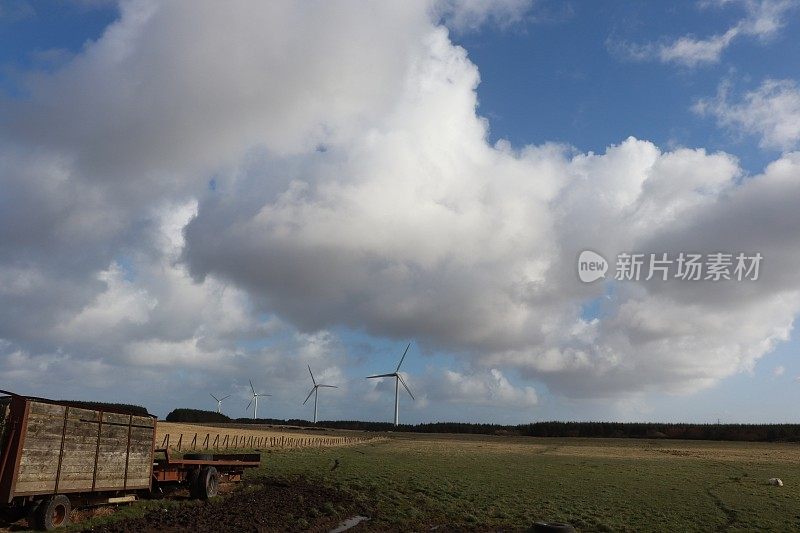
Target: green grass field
[(417, 482), (596, 485)]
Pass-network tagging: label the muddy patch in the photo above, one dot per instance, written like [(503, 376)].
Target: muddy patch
[(263, 505)]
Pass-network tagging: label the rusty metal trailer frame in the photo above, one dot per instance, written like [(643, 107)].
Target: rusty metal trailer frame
[(169, 470), (230, 466)]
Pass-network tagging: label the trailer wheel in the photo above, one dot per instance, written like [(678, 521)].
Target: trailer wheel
[(52, 513), (207, 483)]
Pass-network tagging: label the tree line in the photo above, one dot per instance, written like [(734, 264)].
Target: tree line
[(635, 430), (127, 408)]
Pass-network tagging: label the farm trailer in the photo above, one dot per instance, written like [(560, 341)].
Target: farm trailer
[(54, 456)]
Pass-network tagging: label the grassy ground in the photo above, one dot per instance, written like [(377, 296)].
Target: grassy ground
[(416, 482), (612, 485)]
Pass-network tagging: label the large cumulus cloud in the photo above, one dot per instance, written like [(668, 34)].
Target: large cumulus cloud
[(198, 178)]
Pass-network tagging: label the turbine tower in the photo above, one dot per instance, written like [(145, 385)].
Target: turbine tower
[(398, 379), (315, 390), (256, 396), (219, 401)]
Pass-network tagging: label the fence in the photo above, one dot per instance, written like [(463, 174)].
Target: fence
[(239, 441)]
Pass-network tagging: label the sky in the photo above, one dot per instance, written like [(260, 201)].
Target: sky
[(197, 194)]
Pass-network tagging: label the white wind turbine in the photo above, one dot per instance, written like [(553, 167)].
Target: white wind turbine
[(219, 401), (256, 396), (398, 379), (315, 390)]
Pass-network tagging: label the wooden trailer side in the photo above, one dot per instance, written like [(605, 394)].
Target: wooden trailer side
[(41, 449), (70, 449)]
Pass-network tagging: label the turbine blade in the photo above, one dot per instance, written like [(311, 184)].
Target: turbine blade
[(381, 376), (251, 386), (404, 356), (309, 394), (214, 397), (224, 397), (329, 386), (248, 405), (312, 375), (406, 386)]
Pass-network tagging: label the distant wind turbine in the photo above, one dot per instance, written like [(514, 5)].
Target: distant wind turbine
[(256, 396), (398, 379), (315, 390), (219, 401)]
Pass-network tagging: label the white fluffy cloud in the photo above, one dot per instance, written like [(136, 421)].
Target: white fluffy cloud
[(772, 111), (177, 194), (463, 15), (763, 19), (488, 388)]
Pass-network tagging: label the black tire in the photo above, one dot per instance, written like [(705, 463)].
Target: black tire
[(191, 482), (552, 527), (199, 456), (207, 483), (52, 513)]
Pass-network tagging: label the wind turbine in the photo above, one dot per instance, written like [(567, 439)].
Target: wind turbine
[(219, 401), (255, 397), (315, 390), (398, 379)]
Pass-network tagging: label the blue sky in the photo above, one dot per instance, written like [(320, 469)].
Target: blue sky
[(562, 80), (257, 287)]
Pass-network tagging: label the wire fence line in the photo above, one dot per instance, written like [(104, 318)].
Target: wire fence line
[(220, 441)]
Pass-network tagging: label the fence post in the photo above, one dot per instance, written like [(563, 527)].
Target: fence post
[(194, 442), (180, 440), (165, 443)]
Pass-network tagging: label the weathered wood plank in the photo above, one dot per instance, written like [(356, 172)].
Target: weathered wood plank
[(46, 476), (77, 413), (70, 485), (78, 456), (41, 408), (35, 455), (36, 475), (35, 486), (115, 418), (39, 431), (42, 446), (143, 421)]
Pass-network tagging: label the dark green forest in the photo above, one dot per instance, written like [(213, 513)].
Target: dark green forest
[(637, 430)]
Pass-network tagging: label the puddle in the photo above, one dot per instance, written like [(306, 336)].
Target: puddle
[(350, 522)]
